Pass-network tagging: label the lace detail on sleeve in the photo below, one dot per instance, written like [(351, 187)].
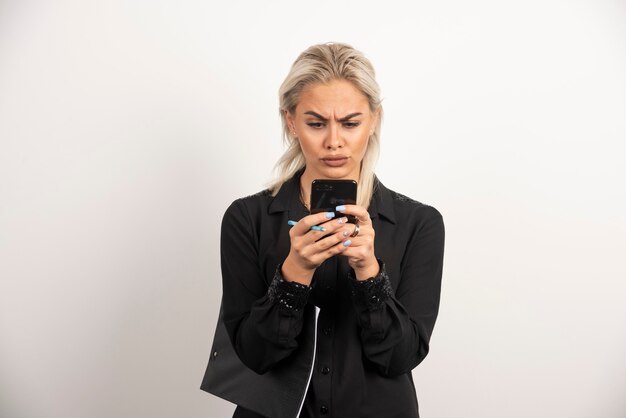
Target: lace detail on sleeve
[(374, 291), (291, 296)]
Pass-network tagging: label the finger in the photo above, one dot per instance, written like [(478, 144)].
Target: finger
[(359, 211), (357, 253), (315, 242), (364, 239), (334, 224), (360, 242), (364, 232), (332, 250), (304, 225), (329, 241), (328, 227)]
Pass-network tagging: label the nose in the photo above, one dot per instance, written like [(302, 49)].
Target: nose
[(333, 139)]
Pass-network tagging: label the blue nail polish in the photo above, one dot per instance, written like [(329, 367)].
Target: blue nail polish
[(340, 208), (291, 223), (318, 228), (346, 243), (330, 215)]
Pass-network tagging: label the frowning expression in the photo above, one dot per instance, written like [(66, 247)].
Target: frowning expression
[(333, 123)]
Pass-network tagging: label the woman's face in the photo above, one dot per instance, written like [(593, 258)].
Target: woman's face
[(333, 123)]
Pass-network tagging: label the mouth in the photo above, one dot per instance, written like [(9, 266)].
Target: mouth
[(335, 161)]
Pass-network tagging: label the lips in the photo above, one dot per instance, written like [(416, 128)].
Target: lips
[(335, 160)]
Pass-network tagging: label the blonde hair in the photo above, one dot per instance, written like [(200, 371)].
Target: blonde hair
[(321, 64)]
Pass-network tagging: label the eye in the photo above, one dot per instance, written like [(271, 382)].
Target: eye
[(316, 125), (351, 124)]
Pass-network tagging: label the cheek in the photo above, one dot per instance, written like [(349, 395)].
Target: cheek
[(360, 144), (307, 145)]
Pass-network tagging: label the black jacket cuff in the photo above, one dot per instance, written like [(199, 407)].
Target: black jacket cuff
[(290, 296), (373, 292)]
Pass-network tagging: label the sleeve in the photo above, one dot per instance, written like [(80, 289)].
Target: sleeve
[(262, 322), (395, 329)]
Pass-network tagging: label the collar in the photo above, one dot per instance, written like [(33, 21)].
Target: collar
[(288, 200), (382, 202)]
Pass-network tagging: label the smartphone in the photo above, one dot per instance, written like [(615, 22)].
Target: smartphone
[(328, 194)]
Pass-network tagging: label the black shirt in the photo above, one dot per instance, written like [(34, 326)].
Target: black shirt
[(370, 334)]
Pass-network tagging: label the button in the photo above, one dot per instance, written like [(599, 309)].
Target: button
[(326, 331), (324, 409), (325, 370), (214, 354)]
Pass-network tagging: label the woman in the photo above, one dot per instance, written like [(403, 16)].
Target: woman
[(339, 321)]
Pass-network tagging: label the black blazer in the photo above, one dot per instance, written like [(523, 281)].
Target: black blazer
[(368, 336)]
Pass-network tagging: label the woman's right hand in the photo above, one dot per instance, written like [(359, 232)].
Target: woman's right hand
[(307, 253)]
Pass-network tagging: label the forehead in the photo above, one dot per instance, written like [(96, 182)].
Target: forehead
[(337, 96)]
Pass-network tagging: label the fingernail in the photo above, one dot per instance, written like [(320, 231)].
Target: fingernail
[(291, 223), (347, 243), (330, 215), (346, 233), (342, 220), (340, 208), (318, 228)]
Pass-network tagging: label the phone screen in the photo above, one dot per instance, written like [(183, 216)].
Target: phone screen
[(328, 194)]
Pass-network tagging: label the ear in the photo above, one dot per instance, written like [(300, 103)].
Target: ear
[(375, 120), (290, 122)]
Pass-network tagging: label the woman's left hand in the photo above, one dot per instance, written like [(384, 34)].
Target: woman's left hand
[(360, 252)]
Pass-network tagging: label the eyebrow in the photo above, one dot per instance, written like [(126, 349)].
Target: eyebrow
[(345, 118)]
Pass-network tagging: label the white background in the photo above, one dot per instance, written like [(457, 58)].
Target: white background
[(127, 127)]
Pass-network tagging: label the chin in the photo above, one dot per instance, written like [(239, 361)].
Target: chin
[(336, 173)]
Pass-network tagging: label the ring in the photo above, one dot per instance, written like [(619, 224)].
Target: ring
[(357, 229)]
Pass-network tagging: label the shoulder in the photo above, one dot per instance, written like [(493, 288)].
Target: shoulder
[(259, 198), (406, 208), (422, 223), (247, 206)]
